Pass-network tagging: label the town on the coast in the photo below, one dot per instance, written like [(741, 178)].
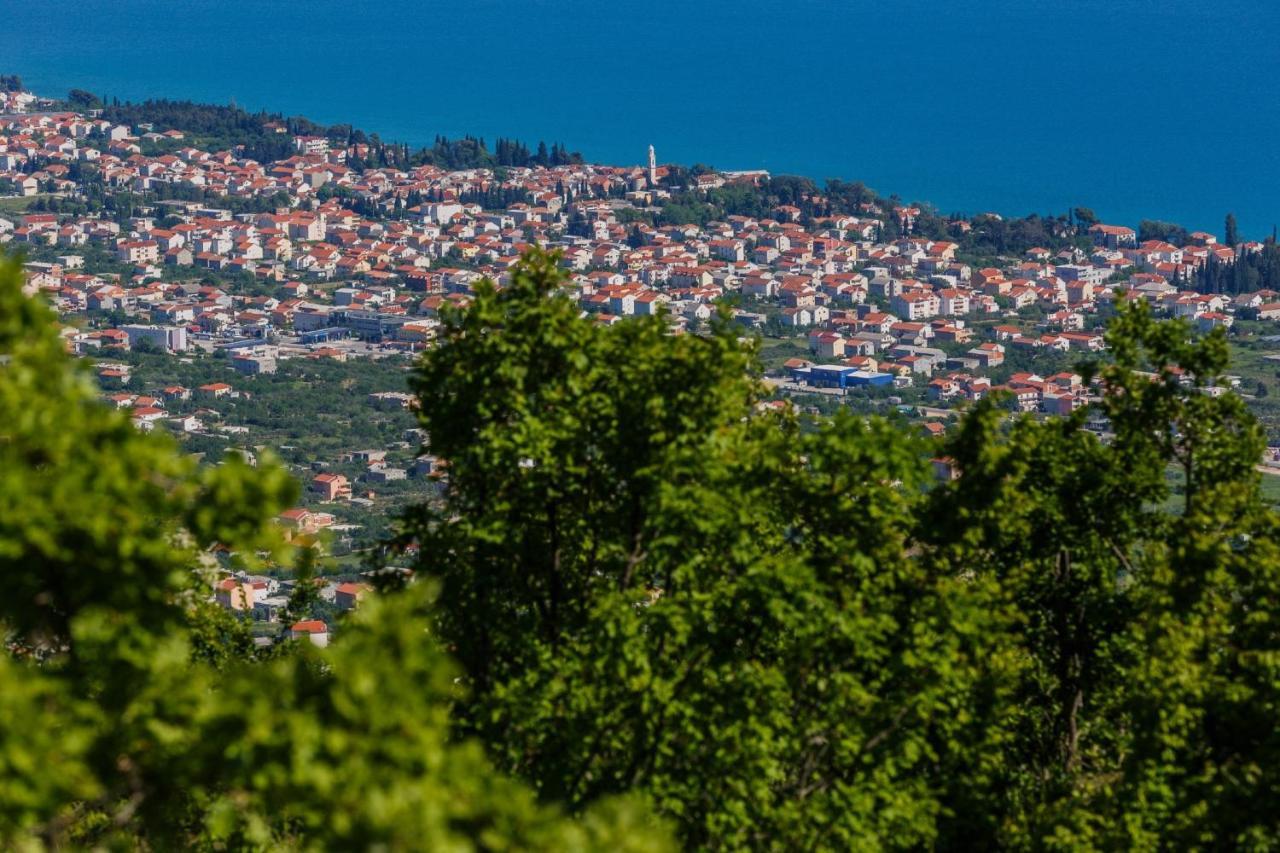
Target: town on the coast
[(248, 304)]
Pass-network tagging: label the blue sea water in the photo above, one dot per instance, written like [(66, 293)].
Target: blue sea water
[(1138, 109)]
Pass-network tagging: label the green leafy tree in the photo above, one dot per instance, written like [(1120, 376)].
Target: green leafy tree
[(1154, 229), (1117, 598), (1201, 699), (654, 588), (1085, 218), (82, 100)]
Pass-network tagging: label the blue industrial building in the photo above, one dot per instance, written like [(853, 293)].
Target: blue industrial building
[(840, 376), (320, 336)]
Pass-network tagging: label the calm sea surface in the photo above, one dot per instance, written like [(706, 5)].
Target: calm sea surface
[(1163, 110)]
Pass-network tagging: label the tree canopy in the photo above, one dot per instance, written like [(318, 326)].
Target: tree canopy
[(652, 586), (789, 637)]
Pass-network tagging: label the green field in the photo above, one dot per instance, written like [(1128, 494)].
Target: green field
[(1270, 489), (774, 352), (17, 204)]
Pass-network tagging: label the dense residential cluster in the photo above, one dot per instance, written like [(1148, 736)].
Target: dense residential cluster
[(286, 268)]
